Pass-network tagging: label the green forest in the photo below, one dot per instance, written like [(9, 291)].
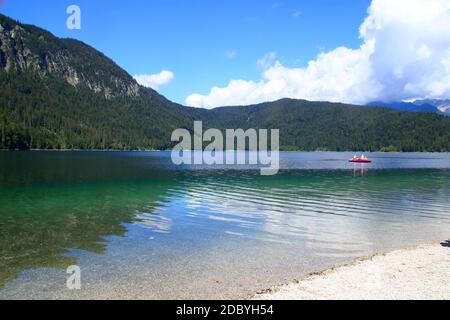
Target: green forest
[(324, 126), (48, 113), (107, 110)]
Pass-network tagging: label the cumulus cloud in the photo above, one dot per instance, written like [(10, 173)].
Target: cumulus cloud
[(404, 55), (155, 81)]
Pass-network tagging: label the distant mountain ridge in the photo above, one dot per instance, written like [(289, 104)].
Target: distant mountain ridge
[(429, 105), (443, 106), (63, 94)]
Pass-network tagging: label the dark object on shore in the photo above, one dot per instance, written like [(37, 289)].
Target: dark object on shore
[(446, 244)]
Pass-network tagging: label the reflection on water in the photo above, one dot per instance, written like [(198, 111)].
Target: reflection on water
[(39, 224), (137, 207)]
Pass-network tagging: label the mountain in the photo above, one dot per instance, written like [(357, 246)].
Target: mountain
[(28, 48), (443, 106), (310, 126), (437, 106), (63, 94)]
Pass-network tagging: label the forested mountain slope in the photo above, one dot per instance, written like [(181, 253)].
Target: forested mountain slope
[(63, 94)]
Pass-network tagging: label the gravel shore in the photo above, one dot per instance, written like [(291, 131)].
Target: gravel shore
[(411, 274)]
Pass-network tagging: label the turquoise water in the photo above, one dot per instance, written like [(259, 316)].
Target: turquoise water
[(140, 227)]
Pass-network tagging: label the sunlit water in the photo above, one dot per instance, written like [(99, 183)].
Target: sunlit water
[(140, 227)]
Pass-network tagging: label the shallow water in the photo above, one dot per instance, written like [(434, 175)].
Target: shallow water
[(140, 227)]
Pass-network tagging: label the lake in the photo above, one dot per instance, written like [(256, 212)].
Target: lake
[(140, 227)]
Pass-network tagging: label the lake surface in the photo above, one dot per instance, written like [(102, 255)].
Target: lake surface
[(140, 227)]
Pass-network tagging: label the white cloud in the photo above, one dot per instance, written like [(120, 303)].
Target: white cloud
[(405, 54), (155, 81)]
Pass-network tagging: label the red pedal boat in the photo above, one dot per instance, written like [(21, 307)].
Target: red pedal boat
[(361, 159)]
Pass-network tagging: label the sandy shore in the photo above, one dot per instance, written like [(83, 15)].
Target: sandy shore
[(420, 273)]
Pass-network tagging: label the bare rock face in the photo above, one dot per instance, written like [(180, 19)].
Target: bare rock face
[(25, 48)]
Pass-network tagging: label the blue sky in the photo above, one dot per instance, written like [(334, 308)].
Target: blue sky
[(353, 51), (204, 43)]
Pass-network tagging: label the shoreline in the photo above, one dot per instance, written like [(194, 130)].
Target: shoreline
[(417, 273), (170, 150)]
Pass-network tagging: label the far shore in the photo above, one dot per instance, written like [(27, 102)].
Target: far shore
[(80, 150), (421, 273), (170, 150)]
